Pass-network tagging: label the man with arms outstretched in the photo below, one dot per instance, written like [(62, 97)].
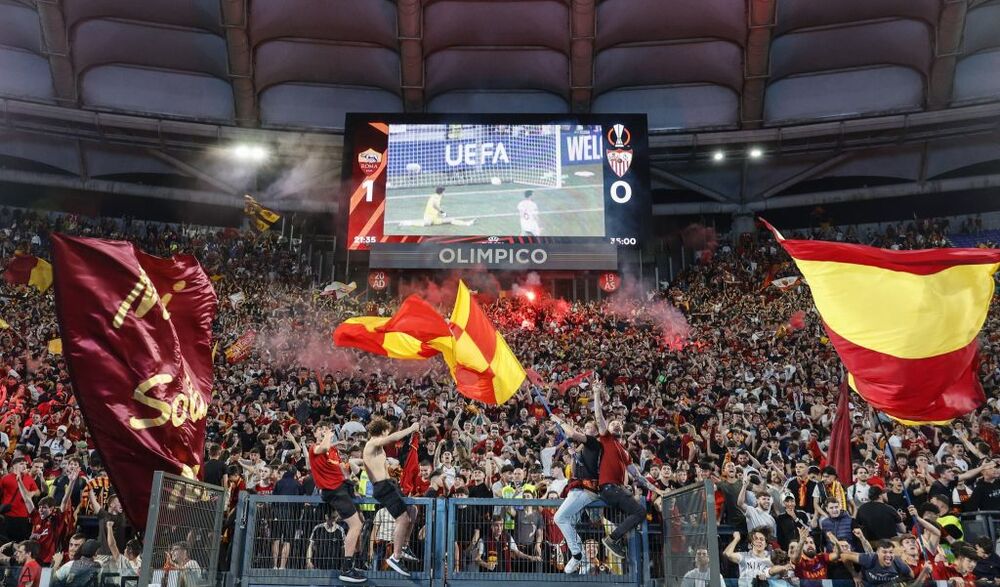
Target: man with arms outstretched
[(325, 464), (386, 490), (613, 474)]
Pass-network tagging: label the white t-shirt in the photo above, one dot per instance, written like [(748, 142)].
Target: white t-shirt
[(527, 211), (752, 567), (696, 578)]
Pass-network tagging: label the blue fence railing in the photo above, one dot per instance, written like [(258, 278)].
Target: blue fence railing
[(283, 540)]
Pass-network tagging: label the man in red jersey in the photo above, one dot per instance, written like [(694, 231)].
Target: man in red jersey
[(612, 474), (48, 526), (325, 464)]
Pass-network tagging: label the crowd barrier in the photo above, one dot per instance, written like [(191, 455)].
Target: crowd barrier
[(462, 542)]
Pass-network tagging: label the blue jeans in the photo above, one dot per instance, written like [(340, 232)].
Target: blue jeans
[(568, 515)]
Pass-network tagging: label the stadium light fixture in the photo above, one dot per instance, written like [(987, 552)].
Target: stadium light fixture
[(755, 152), (249, 153), (719, 155)]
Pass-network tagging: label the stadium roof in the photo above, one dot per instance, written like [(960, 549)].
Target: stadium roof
[(903, 90)]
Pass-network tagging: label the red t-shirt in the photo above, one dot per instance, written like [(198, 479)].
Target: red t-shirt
[(48, 532), (614, 460), (9, 493), (326, 469), (31, 574), (812, 568)]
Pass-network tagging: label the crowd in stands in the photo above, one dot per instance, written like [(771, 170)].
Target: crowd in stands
[(742, 390)]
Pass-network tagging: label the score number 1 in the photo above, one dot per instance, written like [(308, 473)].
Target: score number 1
[(368, 184)]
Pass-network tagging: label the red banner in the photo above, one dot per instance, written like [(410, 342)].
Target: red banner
[(136, 332), (240, 350)]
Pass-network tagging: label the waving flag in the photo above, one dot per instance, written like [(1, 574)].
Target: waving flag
[(565, 385), (29, 270), (484, 367), (410, 474), (416, 331), (261, 217), (903, 322), (839, 455), (339, 289), (136, 333)]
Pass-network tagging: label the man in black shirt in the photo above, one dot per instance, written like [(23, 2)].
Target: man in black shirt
[(879, 520), (802, 488), (215, 469), (986, 495), (582, 488), (789, 522)]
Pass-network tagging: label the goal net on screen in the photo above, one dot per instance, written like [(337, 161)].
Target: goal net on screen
[(428, 155)]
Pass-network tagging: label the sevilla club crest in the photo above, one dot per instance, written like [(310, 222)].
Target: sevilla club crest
[(620, 153), (369, 161)]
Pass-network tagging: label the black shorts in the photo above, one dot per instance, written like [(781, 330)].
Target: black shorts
[(390, 497), (341, 500)]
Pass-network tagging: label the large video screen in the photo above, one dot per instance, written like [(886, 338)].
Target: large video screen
[(421, 178)]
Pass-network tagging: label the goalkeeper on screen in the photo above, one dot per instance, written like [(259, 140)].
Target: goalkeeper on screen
[(527, 211), (434, 215)]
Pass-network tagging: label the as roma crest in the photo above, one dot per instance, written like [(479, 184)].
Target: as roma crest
[(620, 155), (369, 160)]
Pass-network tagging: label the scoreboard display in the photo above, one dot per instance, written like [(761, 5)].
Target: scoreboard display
[(495, 179)]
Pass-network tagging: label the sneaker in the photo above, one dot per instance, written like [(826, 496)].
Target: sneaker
[(397, 566), (407, 555), (573, 565), (353, 576), (362, 565), (615, 546)]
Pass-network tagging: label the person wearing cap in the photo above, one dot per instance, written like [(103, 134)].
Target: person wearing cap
[(58, 444), (789, 522)]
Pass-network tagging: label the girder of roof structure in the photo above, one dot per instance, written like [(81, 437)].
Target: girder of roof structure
[(825, 89)]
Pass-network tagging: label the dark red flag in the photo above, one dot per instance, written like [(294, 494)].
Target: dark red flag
[(562, 387), (136, 332), (534, 377), (839, 455), (408, 479)]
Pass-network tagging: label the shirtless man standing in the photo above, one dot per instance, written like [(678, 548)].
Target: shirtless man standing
[(386, 490)]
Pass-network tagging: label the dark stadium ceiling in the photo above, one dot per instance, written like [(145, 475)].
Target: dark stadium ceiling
[(899, 93)]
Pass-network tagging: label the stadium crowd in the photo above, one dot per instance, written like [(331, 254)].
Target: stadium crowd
[(720, 376)]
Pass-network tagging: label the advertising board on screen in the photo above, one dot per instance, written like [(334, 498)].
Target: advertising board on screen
[(495, 179)]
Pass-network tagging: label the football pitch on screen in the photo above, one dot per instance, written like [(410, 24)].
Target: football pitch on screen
[(575, 209)]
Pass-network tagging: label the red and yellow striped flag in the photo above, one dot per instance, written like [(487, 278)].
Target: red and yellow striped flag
[(903, 322), (416, 331), (484, 367), (29, 270)]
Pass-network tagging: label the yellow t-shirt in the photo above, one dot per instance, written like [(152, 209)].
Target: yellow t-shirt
[(431, 212)]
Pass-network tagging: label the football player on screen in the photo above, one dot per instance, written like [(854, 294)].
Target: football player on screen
[(434, 215), (527, 211)]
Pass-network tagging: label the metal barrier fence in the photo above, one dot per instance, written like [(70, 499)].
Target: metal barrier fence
[(516, 541), (183, 532), (297, 540), (689, 537)]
